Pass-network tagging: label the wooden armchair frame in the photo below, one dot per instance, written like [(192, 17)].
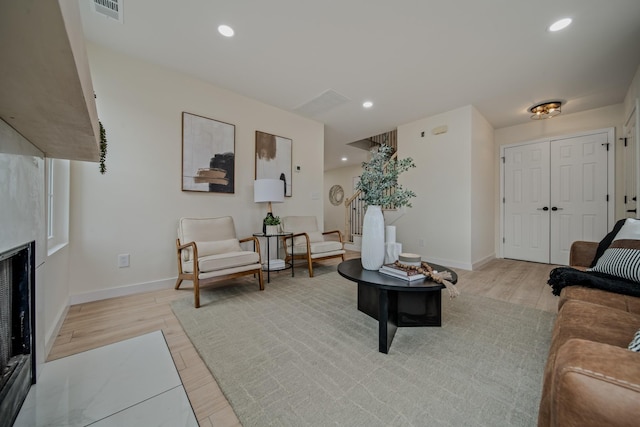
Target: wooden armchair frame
[(194, 276), (290, 257)]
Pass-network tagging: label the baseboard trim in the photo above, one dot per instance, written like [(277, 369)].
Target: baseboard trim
[(448, 263), (122, 291), (52, 333), (352, 247), (482, 262)]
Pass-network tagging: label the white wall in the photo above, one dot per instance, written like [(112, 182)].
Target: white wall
[(632, 94), (334, 215), (438, 226), (135, 207), (483, 211)]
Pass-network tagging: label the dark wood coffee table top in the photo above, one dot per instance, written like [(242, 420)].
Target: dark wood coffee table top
[(352, 270)]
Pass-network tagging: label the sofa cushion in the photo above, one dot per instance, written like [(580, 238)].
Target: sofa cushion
[(579, 319), (593, 385), (598, 296)]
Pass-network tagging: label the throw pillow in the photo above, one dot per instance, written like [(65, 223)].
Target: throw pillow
[(604, 243), (621, 259), (630, 230), (634, 345)]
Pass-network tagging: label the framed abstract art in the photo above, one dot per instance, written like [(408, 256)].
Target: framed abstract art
[(208, 155), (273, 159)]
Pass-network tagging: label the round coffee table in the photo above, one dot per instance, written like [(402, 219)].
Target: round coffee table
[(396, 302)]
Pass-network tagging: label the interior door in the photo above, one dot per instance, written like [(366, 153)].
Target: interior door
[(578, 203), (630, 169), (526, 202)]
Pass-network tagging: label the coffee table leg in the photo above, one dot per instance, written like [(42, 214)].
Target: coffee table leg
[(387, 319)]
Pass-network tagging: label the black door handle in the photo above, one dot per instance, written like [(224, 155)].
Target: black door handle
[(543, 209), (632, 210), (556, 209)]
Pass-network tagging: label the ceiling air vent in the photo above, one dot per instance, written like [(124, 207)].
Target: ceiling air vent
[(109, 8), (327, 100)]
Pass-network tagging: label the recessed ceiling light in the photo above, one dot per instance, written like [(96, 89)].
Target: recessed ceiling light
[(560, 25), (226, 30), (344, 159), (367, 104)]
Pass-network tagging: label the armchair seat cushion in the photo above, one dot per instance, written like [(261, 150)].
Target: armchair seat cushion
[(328, 254), (223, 261), (251, 268), (318, 248), (213, 248)]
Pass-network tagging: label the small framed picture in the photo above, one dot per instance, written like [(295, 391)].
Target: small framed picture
[(273, 159), (208, 154)]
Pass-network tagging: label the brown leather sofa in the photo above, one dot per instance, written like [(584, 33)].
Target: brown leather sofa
[(591, 378)]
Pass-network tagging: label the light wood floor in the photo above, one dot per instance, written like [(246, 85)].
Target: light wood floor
[(99, 323)]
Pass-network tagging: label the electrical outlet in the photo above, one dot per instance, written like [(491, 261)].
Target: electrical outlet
[(123, 260), (421, 243)]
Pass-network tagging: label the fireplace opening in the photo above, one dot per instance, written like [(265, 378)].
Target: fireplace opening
[(17, 343)]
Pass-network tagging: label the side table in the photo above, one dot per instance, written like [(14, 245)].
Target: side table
[(268, 237)]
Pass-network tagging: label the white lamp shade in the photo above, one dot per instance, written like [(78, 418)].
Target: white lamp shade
[(268, 190)]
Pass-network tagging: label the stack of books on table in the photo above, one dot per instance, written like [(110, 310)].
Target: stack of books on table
[(395, 271)]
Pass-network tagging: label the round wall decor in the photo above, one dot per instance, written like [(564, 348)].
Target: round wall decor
[(336, 195)]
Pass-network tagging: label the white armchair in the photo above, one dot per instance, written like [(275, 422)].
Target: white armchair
[(209, 251), (308, 242)]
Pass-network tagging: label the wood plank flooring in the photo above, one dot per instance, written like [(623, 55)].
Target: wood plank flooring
[(99, 323)]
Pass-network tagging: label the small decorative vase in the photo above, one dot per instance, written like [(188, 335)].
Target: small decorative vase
[(372, 252), (272, 229)]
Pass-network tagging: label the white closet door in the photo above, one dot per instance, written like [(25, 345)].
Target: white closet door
[(629, 165), (526, 194), (578, 192)]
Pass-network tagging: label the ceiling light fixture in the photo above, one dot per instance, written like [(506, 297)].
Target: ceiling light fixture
[(226, 30), (367, 104), (560, 24), (546, 110), (344, 159)]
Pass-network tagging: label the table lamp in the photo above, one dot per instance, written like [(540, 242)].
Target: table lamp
[(268, 190)]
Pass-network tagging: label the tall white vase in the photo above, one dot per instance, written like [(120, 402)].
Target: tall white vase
[(372, 252)]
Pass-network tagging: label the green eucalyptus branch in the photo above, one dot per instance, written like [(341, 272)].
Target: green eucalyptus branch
[(379, 180)]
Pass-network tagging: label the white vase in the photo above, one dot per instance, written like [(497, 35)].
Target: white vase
[(372, 252), (272, 229)]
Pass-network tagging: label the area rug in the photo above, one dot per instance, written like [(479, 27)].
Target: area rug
[(299, 353)]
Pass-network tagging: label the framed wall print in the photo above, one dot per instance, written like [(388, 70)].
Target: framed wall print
[(208, 154), (273, 159)]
